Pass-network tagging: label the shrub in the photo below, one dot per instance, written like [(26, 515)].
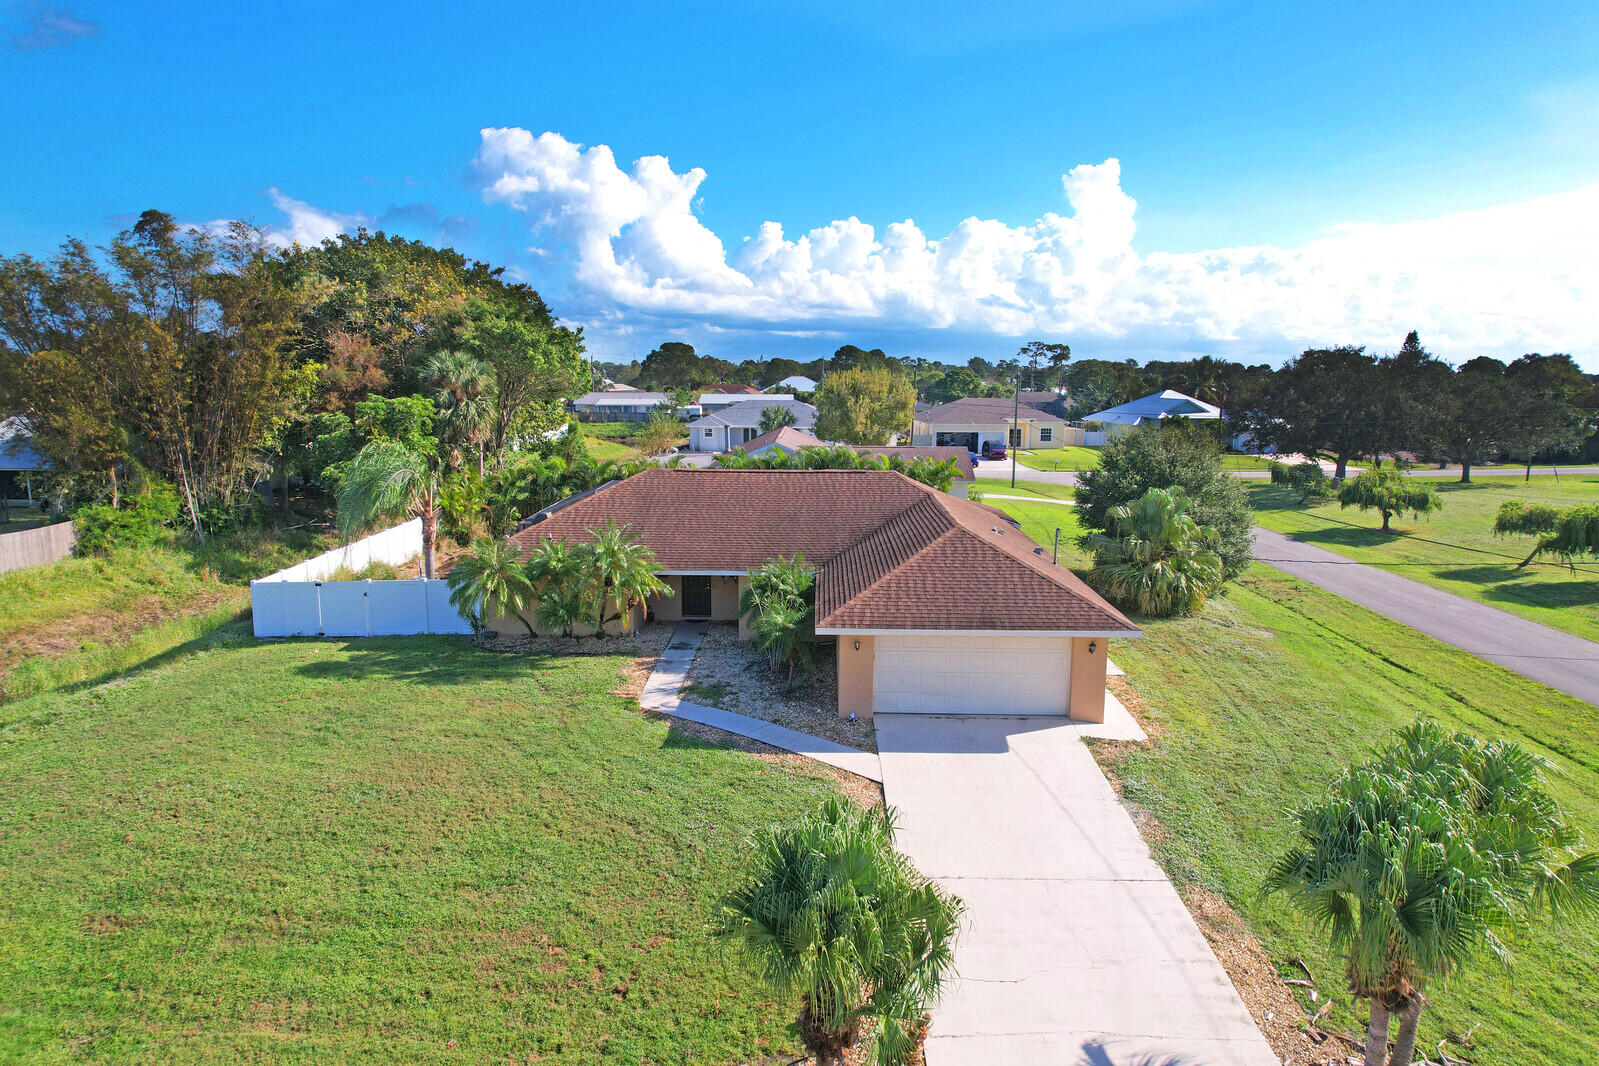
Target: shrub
[(1156, 560), (1307, 480), (140, 522), (1389, 492), (1179, 456)]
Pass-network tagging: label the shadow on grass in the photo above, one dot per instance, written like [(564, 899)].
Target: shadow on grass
[(1506, 583), (1351, 536), (434, 660)]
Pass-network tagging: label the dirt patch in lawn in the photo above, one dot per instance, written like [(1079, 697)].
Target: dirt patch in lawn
[(72, 634), (728, 674)]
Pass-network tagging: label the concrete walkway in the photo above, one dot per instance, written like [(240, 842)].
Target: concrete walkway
[(1076, 949), (666, 681), (1556, 658)]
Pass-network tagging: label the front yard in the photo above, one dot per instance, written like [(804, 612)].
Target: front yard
[(1256, 703), (1455, 549), (403, 850)]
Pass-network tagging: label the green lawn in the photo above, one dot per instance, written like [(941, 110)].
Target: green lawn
[(1260, 700), (82, 619), (1237, 461), (1454, 550), (1040, 520), (385, 851), (1042, 490), (1068, 457)]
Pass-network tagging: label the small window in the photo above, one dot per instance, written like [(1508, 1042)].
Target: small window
[(1046, 433), (710, 432), (1016, 436)]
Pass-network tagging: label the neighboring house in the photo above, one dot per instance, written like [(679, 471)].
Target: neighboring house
[(627, 405), (1154, 408), (20, 464), (796, 383), (617, 386), (973, 422), (711, 402), (737, 424), (789, 440), (1048, 401), (732, 389), (939, 605)]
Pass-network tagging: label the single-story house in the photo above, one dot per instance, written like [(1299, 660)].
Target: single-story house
[(711, 402), (627, 405), (1046, 400), (733, 389), (737, 424), (975, 421), (617, 386), (939, 605), (789, 440), (796, 383), (1154, 408), (20, 463)]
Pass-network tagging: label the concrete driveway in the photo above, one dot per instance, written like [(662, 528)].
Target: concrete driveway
[(1077, 951)]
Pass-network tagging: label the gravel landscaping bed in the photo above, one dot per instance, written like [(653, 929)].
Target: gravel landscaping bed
[(728, 674), (643, 646)]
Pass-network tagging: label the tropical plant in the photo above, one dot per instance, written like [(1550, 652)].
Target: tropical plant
[(1429, 853), (463, 389), (776, 417), (1182, 455), (938, 473), (622, 573), (1567, 534), (827, 909), (1388, 492), (1156, 559), (660, 435), (386, 480), (779, 601), (560, 578), (491, 573), (1307, 480)]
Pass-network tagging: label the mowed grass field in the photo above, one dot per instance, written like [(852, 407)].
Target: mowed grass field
[(1079, 457), (385, 851), (1042, 490), (1455, 549), (1258, 702)]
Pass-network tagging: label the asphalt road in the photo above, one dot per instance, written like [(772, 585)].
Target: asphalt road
[(1553, 657)]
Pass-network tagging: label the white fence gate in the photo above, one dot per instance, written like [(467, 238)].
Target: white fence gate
[(297, 602)]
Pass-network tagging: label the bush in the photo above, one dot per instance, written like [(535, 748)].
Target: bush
[(1177, 456), (140, 522), (1307, 480)]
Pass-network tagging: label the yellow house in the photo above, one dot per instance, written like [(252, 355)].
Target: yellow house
[(977, 421)]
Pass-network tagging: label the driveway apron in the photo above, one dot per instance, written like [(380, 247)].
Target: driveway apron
[(1076, 949)]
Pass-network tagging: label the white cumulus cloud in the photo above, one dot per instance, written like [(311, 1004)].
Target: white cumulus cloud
[(307, 225), (1511, 278)]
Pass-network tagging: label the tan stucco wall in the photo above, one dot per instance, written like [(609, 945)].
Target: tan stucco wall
[(669, 608), (855, 677), (1087, 700), (743, 623), (724, 599)]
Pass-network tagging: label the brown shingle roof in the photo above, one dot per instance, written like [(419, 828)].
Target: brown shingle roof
[(891, 553), (787, 436), (975, 410)]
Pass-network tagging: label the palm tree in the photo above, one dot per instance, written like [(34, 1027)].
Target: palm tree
[(560, 581), (463, 389), (386, 480), (623, 573), (1426, 855), (776, 417), (828, 910), (780, 598), (1156, 560), (491, 572)]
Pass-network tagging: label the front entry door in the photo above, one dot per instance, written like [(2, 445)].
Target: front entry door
[(696, 597)]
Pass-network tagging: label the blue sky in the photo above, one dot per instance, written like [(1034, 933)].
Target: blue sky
[(1301, 174)]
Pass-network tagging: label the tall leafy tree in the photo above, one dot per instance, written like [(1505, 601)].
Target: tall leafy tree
[(464, 389), (1332, 400), (533, 364), (1426, 856), (1472, 421), (865, 406), (1543, 394), (1037, 354)]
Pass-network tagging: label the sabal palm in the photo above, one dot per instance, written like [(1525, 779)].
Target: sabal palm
[(1156, 559), (560, 580), (622, 571), (386, 480), (1433, 851), (829, 910), (463, 388), (491, 572)]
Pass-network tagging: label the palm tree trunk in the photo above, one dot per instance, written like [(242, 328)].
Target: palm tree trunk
[(1405, 1043), (115, 495), (430, 533), (1377, 1034)]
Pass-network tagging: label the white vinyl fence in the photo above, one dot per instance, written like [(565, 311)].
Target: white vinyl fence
[(297, 602)]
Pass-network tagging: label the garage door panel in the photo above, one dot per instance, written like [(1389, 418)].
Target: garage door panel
[(971, 675)]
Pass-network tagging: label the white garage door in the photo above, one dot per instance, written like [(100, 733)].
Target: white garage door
[(971, 675)]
